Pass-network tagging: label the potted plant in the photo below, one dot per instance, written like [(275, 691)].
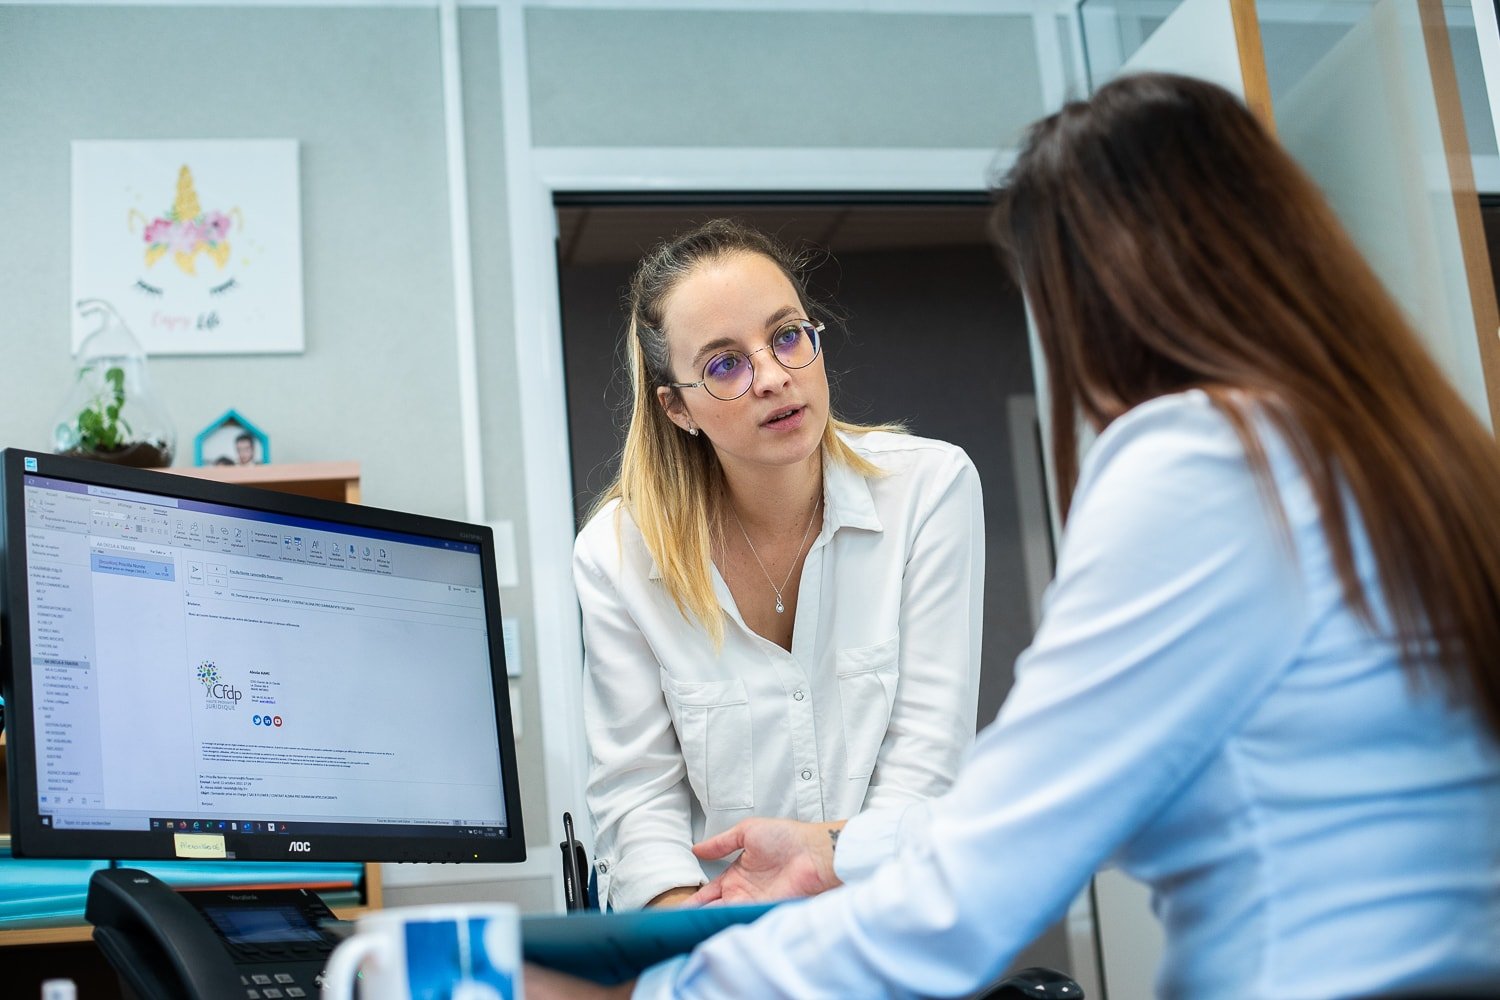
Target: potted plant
[(111, 414)]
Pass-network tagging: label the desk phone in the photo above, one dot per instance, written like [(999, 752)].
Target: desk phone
[(230, 944)]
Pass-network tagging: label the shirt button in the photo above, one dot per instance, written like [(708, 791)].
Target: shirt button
[(806, 775), (797, 695)]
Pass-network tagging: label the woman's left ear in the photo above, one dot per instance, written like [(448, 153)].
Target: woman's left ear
[(671, 404)]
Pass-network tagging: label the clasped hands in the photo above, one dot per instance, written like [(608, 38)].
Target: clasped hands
[(779, 859)]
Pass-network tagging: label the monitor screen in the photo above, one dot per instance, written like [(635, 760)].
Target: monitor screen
[(199, 670)]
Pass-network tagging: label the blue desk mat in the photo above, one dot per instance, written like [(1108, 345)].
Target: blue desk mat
[(51, 892), (610, 948)]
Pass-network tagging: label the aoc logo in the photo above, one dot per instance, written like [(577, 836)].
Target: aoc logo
[(299, 847), (217, 693)]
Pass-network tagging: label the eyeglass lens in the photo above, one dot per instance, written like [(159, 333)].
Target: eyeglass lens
[(728, 375)]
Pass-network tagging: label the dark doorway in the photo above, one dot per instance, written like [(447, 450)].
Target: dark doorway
[(935, 336)]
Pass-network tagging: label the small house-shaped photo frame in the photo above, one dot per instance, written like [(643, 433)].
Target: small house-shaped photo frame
[(231, 440)]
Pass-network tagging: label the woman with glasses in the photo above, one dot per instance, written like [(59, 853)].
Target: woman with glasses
[(781, 610)]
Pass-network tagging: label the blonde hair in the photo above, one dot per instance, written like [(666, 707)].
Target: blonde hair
[(670, 482)]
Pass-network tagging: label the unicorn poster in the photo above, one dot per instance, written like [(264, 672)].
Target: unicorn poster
[(196, 243)]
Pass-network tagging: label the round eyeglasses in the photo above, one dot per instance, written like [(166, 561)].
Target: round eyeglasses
[(729, 374)]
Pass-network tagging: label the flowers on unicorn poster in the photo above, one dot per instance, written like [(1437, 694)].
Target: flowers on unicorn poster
[(196, 243)]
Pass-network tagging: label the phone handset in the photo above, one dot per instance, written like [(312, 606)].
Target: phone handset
[(158, 942)]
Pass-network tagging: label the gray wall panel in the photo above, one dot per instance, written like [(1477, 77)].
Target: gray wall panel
[(689, 78)]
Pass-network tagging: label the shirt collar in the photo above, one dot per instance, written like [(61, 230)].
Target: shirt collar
[(847, 503), (846, 499)]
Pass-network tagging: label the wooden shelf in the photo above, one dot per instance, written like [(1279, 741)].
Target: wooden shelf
[(46, 935), (323, 480)]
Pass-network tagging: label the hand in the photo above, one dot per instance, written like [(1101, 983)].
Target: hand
[(779, 859), (545, 984)]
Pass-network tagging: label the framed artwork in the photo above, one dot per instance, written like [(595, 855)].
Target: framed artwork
[(197, 244), (231, 440)]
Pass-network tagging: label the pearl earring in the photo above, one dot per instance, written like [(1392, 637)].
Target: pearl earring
[(693, 431)]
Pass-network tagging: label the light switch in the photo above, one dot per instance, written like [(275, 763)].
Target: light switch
[(510, 633), (505, 553), (515, 709)]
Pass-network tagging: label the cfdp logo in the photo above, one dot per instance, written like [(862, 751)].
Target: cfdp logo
[(219, 693)]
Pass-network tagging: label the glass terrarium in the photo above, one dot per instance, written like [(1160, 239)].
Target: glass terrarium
[(111, 413)]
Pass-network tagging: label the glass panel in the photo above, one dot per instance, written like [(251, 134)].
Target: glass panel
[(1367, 98), (1195, 37), (1114, 30), (1384, 102), (1472, 91)]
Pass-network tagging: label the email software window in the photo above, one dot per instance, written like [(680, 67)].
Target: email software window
[(210, 661)]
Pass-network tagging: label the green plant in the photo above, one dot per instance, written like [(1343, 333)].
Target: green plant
[(99, 425)]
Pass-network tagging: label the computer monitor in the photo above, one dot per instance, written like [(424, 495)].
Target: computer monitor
[(199, 670)]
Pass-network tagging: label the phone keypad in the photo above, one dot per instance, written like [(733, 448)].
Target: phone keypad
[(273, 985)]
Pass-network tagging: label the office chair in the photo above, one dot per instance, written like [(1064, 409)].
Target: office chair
[(1035, 983)]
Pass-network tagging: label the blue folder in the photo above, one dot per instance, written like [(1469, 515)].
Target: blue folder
[(610, 948)]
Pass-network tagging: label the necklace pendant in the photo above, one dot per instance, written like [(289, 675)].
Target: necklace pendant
[(780, 608)]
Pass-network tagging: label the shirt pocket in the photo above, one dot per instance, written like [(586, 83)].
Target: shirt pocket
[(713, 730), (867, 689)]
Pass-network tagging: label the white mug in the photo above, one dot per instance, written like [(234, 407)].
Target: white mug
[(447, 951)]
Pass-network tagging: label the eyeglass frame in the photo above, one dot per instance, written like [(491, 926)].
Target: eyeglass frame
[(702, 383)]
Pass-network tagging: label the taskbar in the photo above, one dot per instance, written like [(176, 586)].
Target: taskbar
[(294, 828)]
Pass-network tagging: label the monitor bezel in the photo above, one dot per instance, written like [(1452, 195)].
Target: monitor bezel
[(29, 838)]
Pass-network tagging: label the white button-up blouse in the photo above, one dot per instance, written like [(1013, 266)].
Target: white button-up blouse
[(873, 706)]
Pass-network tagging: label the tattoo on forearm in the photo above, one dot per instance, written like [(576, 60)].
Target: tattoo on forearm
[(833, 838)]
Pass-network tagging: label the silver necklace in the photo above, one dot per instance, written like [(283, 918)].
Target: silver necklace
[(780, 605)]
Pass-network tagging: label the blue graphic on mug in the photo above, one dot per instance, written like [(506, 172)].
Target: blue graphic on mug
[(442, 964)]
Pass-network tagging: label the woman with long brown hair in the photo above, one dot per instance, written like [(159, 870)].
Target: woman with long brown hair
[(1267, 677)]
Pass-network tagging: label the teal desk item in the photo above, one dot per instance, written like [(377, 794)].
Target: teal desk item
[(610, 948)]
